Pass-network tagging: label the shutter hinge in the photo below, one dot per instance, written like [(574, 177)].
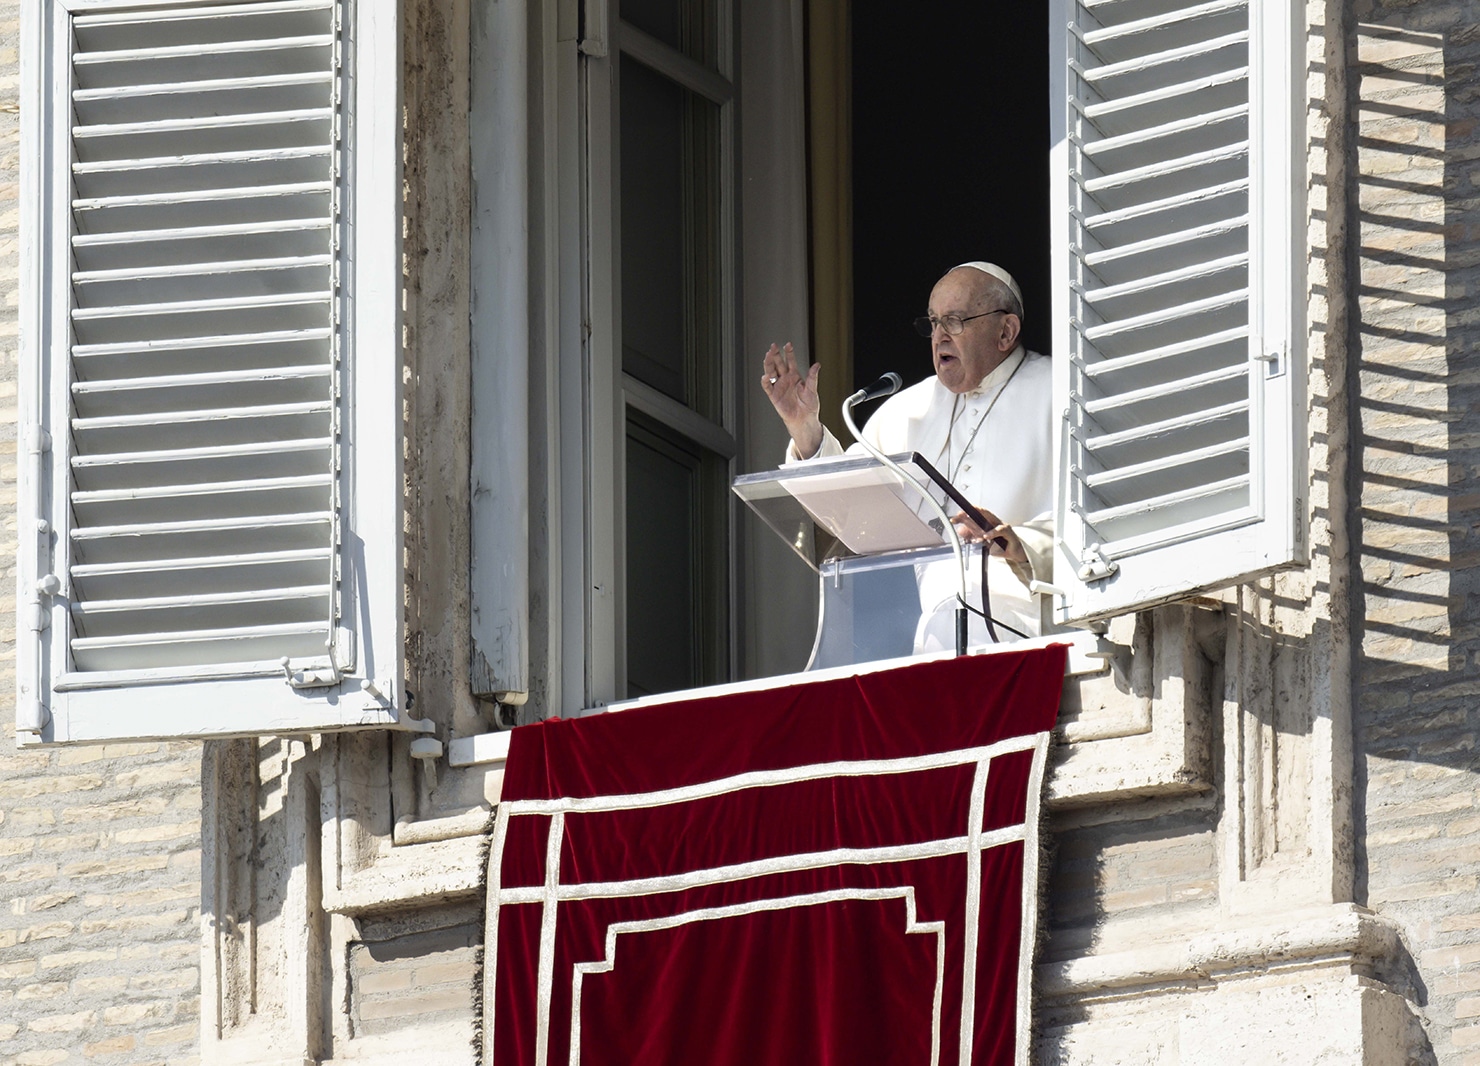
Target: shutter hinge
[(300, 676), (427, 746), (594, 18), (1112, 657), (1096, 566), (31, 716)]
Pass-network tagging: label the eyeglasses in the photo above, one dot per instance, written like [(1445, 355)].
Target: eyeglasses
[(954, 324)]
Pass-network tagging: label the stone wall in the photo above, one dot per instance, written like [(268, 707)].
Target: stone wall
[(100, 928), (1416, 208), (1177, 913), (99, 846), (400, 978)]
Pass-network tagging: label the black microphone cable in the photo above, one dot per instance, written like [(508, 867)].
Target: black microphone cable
[(985, 613)]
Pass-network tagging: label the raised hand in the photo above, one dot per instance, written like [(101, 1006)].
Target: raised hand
[(794, 395)]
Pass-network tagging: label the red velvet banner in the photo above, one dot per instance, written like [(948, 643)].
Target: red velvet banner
[(829, 873)]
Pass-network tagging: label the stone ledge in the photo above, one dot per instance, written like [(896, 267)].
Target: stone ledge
[(416, 874), (412, 831), (422, 1044), (425, 1044), (1144, 728), (1345, 935)]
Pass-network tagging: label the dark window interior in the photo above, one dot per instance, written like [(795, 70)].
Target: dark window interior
[(950, 164)]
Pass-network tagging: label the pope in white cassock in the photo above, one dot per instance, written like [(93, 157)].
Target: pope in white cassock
[(983, 420)]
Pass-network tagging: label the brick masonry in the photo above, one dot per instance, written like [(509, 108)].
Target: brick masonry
[(1113, 883), (99, 847), (99, 904), (1418, 716), (421, 978)]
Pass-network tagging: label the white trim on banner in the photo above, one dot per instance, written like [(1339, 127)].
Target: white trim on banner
[(972, 843), (912, 925)]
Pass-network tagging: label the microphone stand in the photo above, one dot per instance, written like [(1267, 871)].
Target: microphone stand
[(950, 527)]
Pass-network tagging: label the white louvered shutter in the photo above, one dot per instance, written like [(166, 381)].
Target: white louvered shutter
[(211, 424), (1177, 288)]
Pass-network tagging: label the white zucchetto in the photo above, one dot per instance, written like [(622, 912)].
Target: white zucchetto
[(997, 272)]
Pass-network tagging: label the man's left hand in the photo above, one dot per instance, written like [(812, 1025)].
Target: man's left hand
[(1000, 536)]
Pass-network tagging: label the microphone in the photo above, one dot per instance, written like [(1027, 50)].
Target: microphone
[(887, 385)]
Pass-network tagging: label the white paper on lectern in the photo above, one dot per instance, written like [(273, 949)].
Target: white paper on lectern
[(870, 510)]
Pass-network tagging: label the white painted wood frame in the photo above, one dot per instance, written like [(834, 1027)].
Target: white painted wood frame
[(498, 133), (1177, 204), (610, 392), (170, 434)]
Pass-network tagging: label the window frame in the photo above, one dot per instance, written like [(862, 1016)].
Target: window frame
[(609, 390)]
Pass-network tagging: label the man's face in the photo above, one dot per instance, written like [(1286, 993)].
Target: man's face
[(961, 362)]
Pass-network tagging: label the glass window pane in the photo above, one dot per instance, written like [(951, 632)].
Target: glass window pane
[(661, 18), (652, 229), (675, 571), (669, 240), (686, 26)]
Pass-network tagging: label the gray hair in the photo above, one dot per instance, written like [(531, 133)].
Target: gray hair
[(1007, 299)]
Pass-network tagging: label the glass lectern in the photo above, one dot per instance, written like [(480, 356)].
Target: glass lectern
[(886, 568)]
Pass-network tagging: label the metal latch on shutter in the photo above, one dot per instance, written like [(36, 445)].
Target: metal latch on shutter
[(301, 675), (1096, 566)]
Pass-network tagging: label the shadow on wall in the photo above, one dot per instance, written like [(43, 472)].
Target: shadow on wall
[(1414, 215), (1420, 393), (1400, 247), (1418, 450)]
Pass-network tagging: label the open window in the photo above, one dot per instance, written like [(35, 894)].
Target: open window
[(212, 362), (211, 368), (1137, 164), (671, 126), (1132, 161)]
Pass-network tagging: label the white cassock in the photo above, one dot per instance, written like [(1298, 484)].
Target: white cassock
[(995, 444)]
